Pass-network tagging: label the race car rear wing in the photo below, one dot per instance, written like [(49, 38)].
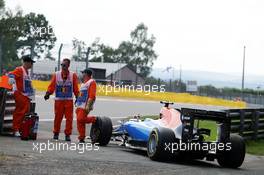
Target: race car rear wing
[(188, 117)]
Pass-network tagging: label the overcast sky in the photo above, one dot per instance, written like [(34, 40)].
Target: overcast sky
[(204, 35)]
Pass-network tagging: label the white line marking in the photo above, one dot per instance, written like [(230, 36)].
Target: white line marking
[(51, 119), (109, 99)]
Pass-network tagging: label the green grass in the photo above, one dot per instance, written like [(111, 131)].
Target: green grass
[(2, 157), (208, 125), (255, 147), (252, 147), (155, 117)]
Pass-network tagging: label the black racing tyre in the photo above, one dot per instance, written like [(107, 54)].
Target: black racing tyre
[(101, 131), (235, 156), (158, 144)]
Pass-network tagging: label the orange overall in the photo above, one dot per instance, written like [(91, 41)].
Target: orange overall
[(21, 99), (63, 104), (83, 118)]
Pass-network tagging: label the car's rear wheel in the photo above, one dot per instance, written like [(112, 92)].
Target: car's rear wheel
[(159, 143), (101, 131), (235, 156)]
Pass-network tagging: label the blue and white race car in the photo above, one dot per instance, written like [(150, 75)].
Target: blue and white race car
[(174, 135)]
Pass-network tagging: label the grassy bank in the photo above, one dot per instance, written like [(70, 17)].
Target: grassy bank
[(255, 147), (156, 96), (2, 157)]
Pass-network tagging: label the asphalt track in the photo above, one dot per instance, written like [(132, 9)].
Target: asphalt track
[(115, 108), (20, 157)]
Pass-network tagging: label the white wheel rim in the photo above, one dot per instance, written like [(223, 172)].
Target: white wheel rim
[(152, 144)]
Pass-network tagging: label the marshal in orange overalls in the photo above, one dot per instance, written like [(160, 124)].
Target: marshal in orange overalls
[(64, 83), (23, 90), (87, 92)]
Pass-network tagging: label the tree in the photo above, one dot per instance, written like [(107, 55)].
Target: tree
[(138, 53), (37, 35), (49, 56), (102, 53), (19, 34), (2, 4), (10, 31), (99, 52), (208, 89), (79, 47)]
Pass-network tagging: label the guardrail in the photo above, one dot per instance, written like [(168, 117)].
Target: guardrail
[(7, 104), (249, 123), (7, 108)]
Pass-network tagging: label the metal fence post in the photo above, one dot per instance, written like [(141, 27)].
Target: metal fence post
[(242, 122), (2, 109), (256, 124)]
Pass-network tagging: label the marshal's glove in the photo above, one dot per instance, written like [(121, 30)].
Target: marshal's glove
[(46, 96)]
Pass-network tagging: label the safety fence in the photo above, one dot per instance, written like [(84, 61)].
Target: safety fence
[(249, 123), (7, 104), (248, 98)]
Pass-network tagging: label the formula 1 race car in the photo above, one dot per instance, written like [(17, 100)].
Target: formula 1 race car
[(175, 134)]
